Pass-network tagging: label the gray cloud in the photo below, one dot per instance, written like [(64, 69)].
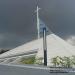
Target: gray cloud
[(18, 19), (71, 39)]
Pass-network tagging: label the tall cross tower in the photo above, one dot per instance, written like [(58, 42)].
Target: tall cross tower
[(38, 24)]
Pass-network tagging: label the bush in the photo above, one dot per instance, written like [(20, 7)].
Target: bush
[(39, 61), (29, 60), (63, 62)]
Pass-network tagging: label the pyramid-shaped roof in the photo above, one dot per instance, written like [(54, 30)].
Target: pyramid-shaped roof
[(55, 47)]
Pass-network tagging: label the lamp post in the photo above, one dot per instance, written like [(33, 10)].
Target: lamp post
[(45, 46)]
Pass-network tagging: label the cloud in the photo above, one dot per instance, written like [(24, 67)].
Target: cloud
[(71, 40), (10, 40), (18, 20)]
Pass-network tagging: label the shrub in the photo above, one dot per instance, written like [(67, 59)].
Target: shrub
[(29, 60), (39, 61), (62, 62)]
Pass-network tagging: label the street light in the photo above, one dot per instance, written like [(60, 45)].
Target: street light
[(45, 46)]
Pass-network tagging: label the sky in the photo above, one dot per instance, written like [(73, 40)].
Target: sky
[(18, 20)]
